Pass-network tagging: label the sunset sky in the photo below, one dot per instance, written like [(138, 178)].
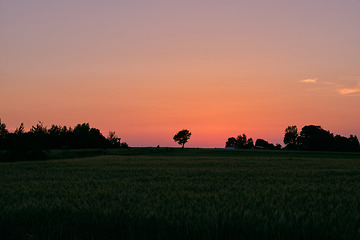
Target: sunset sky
[(147, 69)]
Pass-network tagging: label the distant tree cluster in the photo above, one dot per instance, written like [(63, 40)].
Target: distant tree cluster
[(315, 138), (262, 144), (310, 138), (242, 142), (32, 143)]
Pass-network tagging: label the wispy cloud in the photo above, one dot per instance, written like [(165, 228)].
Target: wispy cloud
[(349, 91), (350, 86), (346, 86), (309, 80)]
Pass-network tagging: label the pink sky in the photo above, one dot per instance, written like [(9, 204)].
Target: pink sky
[(147, 69)]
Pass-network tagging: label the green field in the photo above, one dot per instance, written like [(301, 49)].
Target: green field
[(190, 194)]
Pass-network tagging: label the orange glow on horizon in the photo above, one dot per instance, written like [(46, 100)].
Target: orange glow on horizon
[(147, 70)]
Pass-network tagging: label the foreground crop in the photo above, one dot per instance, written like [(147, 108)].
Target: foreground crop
[(182, 197)]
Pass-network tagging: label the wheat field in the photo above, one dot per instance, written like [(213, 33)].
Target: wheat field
[(191, 194)]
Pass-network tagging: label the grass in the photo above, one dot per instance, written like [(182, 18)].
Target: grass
[(192, 194)]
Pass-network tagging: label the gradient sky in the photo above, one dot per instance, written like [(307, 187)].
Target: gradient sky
[(147, 69)]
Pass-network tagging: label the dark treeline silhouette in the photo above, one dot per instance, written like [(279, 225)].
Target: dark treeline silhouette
[(261, 143), (30, 145), (241, 142), (315, 138), (311, 138)]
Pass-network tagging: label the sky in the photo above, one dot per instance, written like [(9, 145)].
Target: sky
[(147, 69)]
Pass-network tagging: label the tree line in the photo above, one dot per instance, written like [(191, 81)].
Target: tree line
[(315, 138), (310, 138), (30, 145), (22, 144), (242, 142)]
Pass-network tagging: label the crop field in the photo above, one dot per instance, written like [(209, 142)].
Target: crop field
[(190, 194)]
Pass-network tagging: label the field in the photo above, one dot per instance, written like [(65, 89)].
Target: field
[(190, 194)]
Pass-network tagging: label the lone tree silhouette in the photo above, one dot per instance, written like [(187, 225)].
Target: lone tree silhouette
[(182, 137)]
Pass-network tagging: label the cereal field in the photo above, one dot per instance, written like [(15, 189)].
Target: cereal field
[(190, 194)]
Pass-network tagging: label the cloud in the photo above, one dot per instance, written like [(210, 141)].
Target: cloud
[(346, 86), (350, 86), (309, 80), (349, 91)]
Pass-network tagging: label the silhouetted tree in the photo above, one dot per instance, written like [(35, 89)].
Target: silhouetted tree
[(66, 137), (86, 137), (20, 129), (182, 137), (341, 143), (315, 138), (39, 128), (240, 142), (346, 144), (55, 136), (55, 130), (113, 140), (27, 146), (39, 135), (3, 130), (231, 143), (354, 142), (250, 143), (291, 137), (262, 144), (3, 134)]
